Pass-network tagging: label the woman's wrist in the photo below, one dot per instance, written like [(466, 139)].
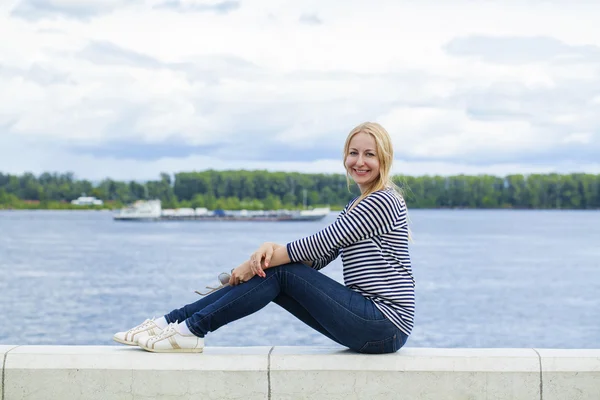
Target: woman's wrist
[(273, 245), (280, 257)]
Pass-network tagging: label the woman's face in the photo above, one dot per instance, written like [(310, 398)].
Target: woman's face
[(362, 161)]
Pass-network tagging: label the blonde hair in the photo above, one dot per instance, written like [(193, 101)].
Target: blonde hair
[(385, 155)]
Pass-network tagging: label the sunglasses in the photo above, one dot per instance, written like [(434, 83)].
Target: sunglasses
[(223, 279)]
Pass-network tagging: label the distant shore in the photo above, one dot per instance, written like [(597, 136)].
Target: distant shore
[(264, 190), (333, 209)]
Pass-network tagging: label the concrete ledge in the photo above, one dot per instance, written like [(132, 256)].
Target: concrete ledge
[(120, 372), (409, 374), (571, 374), (90, 372)]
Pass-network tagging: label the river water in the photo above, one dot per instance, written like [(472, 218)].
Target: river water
[(485, 278)]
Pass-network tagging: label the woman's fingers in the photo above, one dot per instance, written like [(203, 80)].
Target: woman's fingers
[(263, 254), (258, 267), (268, 256), (255, 264)]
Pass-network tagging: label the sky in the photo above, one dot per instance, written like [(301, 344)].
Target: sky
[(127, 89)]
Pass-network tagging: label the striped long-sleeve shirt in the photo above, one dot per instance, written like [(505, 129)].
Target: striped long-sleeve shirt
[(373, 241)]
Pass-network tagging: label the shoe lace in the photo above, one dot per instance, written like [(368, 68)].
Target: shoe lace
[(170, 330), (146, 324)]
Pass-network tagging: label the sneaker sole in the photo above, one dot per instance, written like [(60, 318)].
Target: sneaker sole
[(199, 350), (116, 339)]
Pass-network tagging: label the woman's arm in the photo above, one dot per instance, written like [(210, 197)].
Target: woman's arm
[(263, 257), (377, 214), (271, 254), (268, 255)]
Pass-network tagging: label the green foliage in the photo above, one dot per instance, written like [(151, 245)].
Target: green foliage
[(255, 190)]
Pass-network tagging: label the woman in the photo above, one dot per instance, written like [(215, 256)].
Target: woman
[(372, 313)]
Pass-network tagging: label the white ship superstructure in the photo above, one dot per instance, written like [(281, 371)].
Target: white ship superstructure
[(141, 210)]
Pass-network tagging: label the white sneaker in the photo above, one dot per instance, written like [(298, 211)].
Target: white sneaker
[(171, 341), (144, 330)]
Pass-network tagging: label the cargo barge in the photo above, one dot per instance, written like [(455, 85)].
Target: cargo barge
[(151, 210)]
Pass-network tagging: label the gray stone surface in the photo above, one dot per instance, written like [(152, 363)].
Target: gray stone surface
[(415, 374), (571, 374), (90, 372)]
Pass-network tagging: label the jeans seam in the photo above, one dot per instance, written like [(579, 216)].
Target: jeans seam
[(381, 342), (233, 301), (341, 305), (187, 322)]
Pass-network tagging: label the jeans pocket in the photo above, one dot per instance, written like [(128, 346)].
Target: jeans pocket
[(384, 346)]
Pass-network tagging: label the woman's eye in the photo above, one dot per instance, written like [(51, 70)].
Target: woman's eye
[(371, 154), (353, 153)]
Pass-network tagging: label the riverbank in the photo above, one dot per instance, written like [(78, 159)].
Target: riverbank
[(121, 372)]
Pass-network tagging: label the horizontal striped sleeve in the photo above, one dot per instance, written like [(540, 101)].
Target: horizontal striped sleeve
[(323, 262), (375, 215)]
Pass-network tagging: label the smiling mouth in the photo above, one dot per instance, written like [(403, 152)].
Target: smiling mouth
[(361, 171)]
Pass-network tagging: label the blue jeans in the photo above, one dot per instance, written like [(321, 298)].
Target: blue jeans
[(338, 312)]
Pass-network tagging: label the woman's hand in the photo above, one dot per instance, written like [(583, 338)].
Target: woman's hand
[(241, 274), (261, 258)]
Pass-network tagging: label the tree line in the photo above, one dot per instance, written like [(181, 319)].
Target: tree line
[(255, 190)]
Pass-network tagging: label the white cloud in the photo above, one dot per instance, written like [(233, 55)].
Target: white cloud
[(581, 137), (441, 133), (36, 158), (268, 83)]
